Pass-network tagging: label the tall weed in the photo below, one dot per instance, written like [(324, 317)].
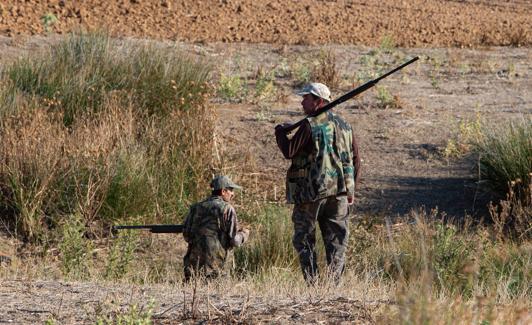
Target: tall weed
[(469, 132), (265, 87), (325, 71), (232, 88), (31, 166), (452, 260), (511, 216)]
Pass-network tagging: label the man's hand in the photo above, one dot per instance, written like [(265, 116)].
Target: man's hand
[(350, 200), (282, 127)]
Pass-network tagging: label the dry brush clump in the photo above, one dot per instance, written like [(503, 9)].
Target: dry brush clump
[(104, 169), (31, 164), (324, 70)]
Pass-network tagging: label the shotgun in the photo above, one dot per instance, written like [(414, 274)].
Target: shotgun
[(349, 95)]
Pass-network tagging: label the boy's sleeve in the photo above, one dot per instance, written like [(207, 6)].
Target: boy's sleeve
[(231, 228)]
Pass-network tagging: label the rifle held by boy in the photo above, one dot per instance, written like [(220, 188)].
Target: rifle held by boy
[(156, 229)]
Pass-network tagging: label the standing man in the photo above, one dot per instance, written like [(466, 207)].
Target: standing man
[(211, 230), (321, 181)]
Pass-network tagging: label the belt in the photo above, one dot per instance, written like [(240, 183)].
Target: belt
[(300, 173)]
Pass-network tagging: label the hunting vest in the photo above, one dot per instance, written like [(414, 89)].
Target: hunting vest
[(208, 243), (328, 170)]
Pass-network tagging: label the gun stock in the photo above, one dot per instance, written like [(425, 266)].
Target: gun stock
[(351, 94), (156, 229)]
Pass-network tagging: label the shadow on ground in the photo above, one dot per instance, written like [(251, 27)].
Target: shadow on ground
[(453, 196)]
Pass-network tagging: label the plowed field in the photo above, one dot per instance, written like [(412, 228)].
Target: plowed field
[(417, 23)]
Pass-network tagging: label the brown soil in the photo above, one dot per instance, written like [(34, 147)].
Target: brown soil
[(434, 23)]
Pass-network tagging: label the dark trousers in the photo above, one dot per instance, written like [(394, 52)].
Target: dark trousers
[(331, 213)]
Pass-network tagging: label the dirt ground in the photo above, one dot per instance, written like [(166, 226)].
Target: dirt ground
[(31, 302), (434, 23), (401, 147)]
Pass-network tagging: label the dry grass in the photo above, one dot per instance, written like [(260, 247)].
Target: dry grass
[(282, 299), (49, 170), (414, 271)]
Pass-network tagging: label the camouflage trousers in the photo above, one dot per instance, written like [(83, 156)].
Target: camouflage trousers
[(206, 264), (331, 214)]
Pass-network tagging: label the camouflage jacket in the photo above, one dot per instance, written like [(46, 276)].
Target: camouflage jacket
[(211, 230), (328, 169)]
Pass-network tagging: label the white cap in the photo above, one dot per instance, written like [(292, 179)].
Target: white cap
[(317, 89)]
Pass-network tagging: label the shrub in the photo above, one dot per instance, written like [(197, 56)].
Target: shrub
[(121, 255), (30, 167), (48, 20), (300, 71), (387, 44), (385, 99), (265, 87), (469, 132), (316, 67), (452, 259), (511, 216)]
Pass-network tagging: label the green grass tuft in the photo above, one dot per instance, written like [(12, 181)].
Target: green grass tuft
[(506, 156)]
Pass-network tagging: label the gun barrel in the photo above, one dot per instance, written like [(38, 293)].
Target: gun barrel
[(157, 229)]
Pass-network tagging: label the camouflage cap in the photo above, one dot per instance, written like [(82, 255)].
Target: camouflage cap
[(317, 89), (221, 182)]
